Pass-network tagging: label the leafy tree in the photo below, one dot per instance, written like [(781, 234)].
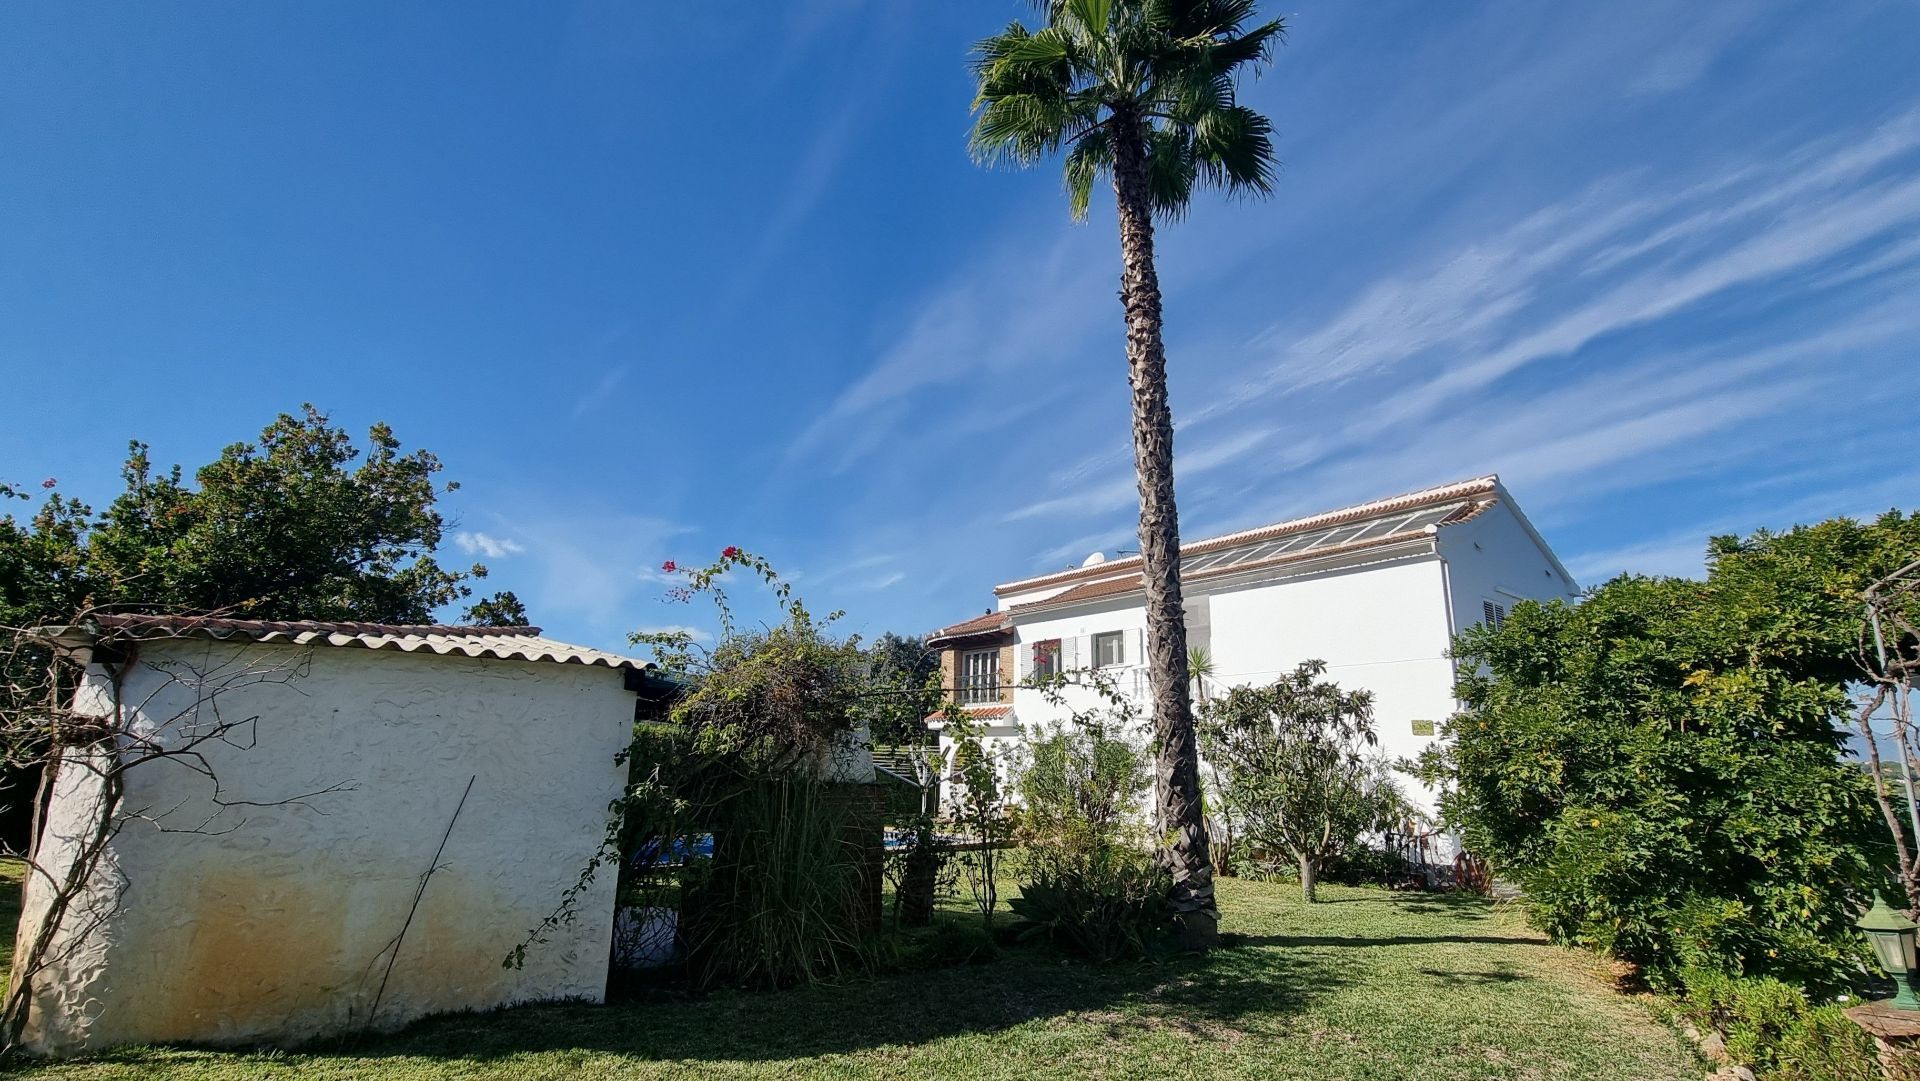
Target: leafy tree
[(978, 809), (43, 570), (1296, 760), (1143, 92), (503, 609), (905, 689), (1661, 766), (300, 524)]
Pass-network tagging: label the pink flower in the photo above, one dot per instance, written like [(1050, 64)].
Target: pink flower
[(49, 482), (729, 552), (669, 566)]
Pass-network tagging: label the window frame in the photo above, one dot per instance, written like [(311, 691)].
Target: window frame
[(1119, 640), (1047, 663), (976, 687)]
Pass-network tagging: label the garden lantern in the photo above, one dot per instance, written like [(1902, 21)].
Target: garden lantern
[(1893, 937)]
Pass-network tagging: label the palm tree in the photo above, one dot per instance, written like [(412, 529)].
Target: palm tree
[(1200, 667), (1142, 91)]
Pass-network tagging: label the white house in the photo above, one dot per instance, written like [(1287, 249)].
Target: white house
[(1375, 590), (338, 815)]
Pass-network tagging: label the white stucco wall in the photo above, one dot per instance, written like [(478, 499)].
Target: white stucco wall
[(1494, 558), (1381, 624), (1381, 628), (275, 923)]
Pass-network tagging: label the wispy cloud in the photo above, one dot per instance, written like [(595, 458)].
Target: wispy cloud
[(601, 391), (474, 542), (1015, 310), (1682, 552)]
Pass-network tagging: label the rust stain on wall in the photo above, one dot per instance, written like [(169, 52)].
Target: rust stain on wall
[(261, 950), (451, 957)]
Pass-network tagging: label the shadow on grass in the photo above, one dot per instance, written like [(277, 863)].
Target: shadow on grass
[(1229, 989), (1498, 976), (1392, 940)]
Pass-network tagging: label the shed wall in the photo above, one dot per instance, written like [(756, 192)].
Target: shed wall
[(275, 922)]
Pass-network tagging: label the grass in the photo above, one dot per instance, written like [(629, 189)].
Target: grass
[(1365, 985)]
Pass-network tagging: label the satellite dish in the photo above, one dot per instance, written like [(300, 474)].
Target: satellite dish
[(1094, 560)]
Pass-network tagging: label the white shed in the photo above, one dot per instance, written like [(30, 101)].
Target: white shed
[(357, 814)]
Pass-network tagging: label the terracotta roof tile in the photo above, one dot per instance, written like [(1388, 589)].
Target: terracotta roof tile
[(984, 713), (983, 624), (1113, 587), (1466, 489)]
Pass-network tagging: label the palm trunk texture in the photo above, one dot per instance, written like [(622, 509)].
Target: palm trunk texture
[(1177, 766)]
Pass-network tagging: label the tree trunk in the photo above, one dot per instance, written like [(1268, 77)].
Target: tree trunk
[(1176, 772), (1309, 879)]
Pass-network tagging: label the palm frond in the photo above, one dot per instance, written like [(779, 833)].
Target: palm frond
[(1089, 159), (1233, 149), (1171, 171), (1167, 65)]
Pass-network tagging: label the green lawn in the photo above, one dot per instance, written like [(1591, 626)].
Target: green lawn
[(1366, 984)]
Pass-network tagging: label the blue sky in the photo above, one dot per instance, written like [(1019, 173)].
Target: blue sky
[(656, 279)]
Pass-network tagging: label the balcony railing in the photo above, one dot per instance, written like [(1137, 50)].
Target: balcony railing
[(973, 689)]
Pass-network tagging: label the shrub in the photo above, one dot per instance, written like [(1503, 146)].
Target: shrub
[(921, 869), (1364, 865), (1087, 884), (1771, 1027), (1660, 766), (951, 943), (1101, 904)]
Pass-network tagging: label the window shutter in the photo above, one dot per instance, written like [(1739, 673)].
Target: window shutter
[(1493, 615), (1070, 653), (1136, 641)]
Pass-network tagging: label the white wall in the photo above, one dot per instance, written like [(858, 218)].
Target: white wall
[(275, 923), (1381, 628), (1494, 558)]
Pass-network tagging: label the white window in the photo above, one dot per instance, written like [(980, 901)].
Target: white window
[(1109, 649), (980, 676), (1493, 615)]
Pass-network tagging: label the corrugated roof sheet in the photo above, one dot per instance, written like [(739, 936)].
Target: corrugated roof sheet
[(503, 643)]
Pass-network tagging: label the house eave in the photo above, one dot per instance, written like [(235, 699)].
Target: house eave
[(1385, 549)]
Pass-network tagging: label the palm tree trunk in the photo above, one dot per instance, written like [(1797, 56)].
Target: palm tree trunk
[(1176, 772)]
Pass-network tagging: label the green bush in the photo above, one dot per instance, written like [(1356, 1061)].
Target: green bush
[(1103, 904), (950, 943), (1087, 884), (1368, 866), (1662, 767), (1771, 1027)]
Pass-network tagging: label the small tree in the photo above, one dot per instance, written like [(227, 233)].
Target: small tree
[(1890, 660), (980, 810), (904, 680), (1296, 758)]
